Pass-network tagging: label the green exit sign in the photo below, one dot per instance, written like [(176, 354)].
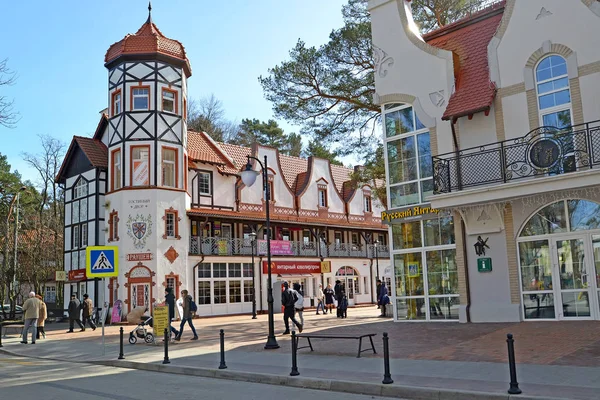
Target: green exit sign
[(484, 264)]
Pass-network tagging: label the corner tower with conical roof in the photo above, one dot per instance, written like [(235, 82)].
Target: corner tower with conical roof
[(147, 186)]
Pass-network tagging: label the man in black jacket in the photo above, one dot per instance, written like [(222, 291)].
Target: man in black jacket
[(74, 313), (288, 301), (170, 300), (338, 289)]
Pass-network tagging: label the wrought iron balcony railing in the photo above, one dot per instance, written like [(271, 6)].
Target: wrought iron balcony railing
[(544, 151), (243, 247)]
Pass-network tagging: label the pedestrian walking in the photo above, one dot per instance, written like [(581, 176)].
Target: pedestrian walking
[(338, 289), (74, 314), (383, 294), (87, 307), (189, 307), (385, 300), (42, 318), (320, 300), (31, 310), (288, 301), (329, 293), (299, 304), (170, 300), (378, 293), (343, 305)]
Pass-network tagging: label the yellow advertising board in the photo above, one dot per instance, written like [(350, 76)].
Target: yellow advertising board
[(160, 318), (325, 267)]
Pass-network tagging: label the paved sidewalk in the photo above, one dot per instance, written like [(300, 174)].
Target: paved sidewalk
[(333, 361)]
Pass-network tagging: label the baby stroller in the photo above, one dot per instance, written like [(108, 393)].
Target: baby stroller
[(141, 332)]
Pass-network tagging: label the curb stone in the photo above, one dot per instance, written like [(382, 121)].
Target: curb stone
[(372, 389), (395, 391)]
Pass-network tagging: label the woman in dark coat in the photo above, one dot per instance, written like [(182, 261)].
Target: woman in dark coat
[(329, 293)]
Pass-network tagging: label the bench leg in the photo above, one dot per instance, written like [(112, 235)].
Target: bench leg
[(310, 344), (359, 347), (372, 345)]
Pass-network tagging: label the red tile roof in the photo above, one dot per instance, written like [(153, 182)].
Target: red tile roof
[(147, 40), (95, 151), (202, 148), (468, 40)]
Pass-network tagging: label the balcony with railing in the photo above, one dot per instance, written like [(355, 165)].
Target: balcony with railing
[(215, 246), (545, 151)]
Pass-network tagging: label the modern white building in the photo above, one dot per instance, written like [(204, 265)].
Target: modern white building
[(173, 201), (492, 125)]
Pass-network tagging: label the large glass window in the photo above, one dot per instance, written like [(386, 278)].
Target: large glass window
[(204, 292), (140, 98), (220, 292), (408, 156), (554, 95)]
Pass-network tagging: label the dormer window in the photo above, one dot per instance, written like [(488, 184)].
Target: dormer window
[(169, 100), (322, 197), (116, 102), (140, 98), (368, 205)]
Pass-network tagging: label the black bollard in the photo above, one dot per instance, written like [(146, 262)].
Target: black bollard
[(514, 385), (121, 355), (166, 360), (387, 377), (222, 337), (294, 361)]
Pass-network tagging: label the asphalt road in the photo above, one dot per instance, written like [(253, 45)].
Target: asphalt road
[(33, 379)]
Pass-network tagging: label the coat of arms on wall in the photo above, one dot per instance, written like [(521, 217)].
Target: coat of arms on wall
[(139, 228)]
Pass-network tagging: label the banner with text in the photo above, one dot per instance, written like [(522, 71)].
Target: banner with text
[(293, 267), (278, 247)]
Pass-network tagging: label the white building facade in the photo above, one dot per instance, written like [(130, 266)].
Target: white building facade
[(504, 107), (173, 202)]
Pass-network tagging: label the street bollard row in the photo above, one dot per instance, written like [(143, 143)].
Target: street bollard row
[(166, 359), (387, 377), (121, 355), (514, 385)]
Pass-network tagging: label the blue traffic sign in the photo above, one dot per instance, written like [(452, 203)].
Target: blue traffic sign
[(102, 261)]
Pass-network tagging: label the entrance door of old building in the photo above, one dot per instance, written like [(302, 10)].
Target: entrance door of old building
[(575, 292)]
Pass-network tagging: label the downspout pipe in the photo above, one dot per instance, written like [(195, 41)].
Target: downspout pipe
[(466, 260), (457, 157)]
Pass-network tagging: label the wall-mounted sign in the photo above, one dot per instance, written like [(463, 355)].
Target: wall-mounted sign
[(544, 153), (60, 276), (416, 211), (141, 173), (484, 264), (77, 275), (139, 257), (293, 267)]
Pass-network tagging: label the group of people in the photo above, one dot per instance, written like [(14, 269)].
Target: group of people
[(76, 308), (34, 315), (292, 300)]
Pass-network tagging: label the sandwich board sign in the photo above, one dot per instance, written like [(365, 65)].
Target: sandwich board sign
[(102, 261)]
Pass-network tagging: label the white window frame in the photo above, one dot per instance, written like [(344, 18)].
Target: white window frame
[(83, 233), (204, 178), (138, 95), (170, 225), (173, 100), (562, 107), (117, 103), (393, 107), (172, 163), (76, 237), (117, 172), (80, 189), (368, 203), (322, 197)]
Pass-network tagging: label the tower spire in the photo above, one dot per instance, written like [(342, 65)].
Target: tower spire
[(149, 12)]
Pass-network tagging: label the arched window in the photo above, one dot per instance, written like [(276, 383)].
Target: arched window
[(563, 216), (553, 92), (80, 189)]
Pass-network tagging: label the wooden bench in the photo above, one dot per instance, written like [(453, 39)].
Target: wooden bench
[(18, 327), (309, 336)]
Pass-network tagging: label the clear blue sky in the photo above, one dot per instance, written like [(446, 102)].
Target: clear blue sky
[(58, 47)]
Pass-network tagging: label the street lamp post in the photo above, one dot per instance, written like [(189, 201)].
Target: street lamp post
[(249, 177), (253, 238), (377, 258), (16, 240)]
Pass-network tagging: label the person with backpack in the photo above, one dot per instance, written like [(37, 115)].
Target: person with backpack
[(189, 307), (288, 301), (299, 305), (343, 305)]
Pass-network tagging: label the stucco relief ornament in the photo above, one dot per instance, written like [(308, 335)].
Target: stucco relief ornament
[(139, 228), (437, 98), (543, 13), (383, 61)]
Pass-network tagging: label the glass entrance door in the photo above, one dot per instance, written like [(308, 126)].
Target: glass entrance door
[(573, 289)]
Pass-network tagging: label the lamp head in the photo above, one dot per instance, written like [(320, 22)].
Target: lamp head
[(252, 235), (249, 175)]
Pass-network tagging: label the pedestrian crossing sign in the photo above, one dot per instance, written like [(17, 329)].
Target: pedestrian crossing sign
[(102, 261)]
